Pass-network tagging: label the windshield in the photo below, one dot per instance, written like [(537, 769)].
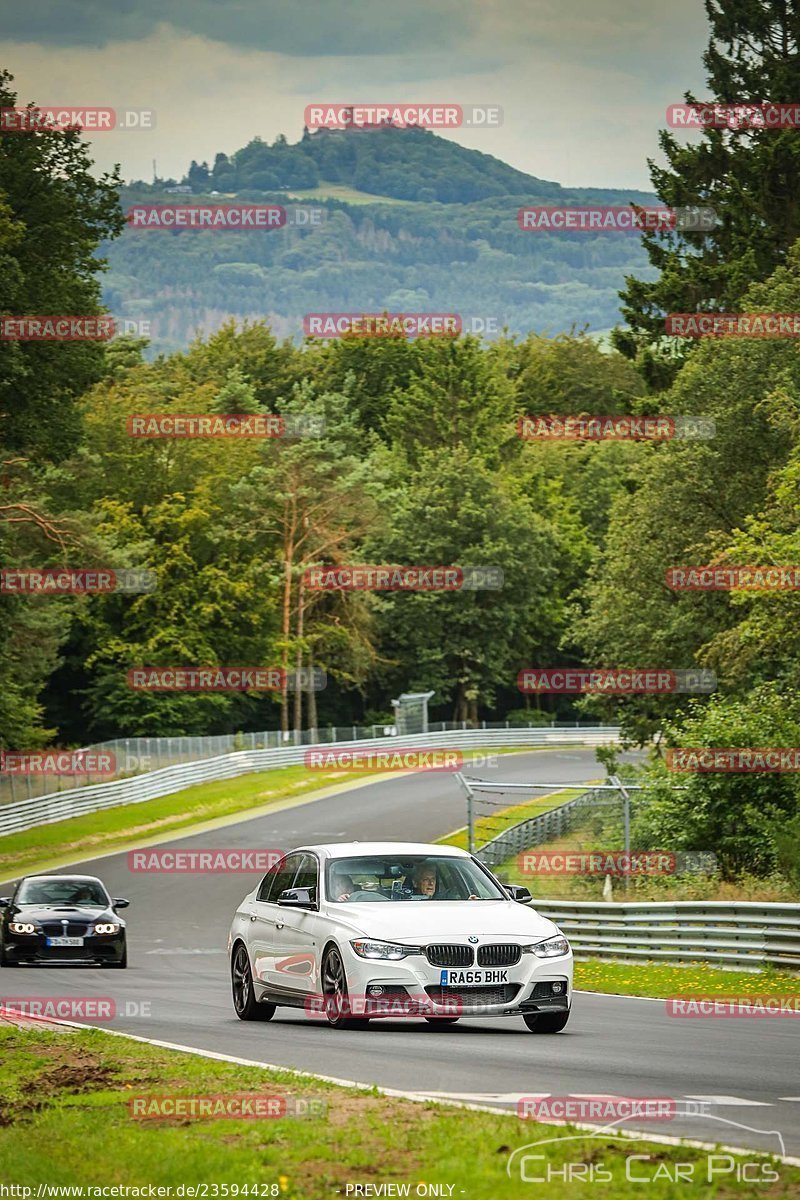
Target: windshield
[(406, 877), (75, 892)]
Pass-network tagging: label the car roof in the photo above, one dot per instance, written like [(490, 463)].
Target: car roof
[(377, 849), (71, 878)]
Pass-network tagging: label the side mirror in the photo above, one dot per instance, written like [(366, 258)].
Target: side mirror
[(516, 892), (298, 898), (118, 902), (5, 902)]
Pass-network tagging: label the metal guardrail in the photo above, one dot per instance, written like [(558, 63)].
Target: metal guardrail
[(59, 806), (138, 755), (532, 832), (739, 933)]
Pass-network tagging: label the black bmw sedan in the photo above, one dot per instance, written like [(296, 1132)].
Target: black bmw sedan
[(62, 919)]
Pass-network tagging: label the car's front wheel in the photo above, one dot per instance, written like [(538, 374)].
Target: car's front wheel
[(335, 991), (5, 961), (546, 1022), (120, 963), (244, 994)]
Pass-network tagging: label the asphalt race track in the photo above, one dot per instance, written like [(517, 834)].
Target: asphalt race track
[(177, 989)]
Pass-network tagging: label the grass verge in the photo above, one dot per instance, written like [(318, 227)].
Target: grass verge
[(65, 1119), (492, 825), (48, 846), (698, 979)]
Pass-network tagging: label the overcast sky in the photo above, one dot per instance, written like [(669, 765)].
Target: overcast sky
[(583, 84)]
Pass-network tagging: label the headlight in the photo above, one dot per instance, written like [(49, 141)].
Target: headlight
[(366, 949), (21, 927), (106, 928), (554, 947)]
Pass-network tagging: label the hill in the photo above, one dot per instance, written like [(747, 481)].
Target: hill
[(412, 221)]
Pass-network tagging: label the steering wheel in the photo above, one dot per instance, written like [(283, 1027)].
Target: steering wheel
[(361, 895)]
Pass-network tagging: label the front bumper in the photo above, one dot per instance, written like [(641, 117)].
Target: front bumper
[(533, 985), (32, 948)]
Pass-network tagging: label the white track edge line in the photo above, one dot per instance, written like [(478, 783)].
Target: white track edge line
[(415, 1097)]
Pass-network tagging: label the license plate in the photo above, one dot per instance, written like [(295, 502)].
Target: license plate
[(65, 941), (456, 977)]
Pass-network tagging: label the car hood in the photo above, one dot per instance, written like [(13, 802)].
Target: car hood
[(64, 912), (441, 920)]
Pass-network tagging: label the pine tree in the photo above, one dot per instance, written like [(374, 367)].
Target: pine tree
[(749, 176)]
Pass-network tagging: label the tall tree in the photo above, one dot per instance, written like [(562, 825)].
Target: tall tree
[(55, 214), (749, 176)]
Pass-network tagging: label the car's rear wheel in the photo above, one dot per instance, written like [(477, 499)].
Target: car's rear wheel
[(546, 1022), (244, 994), (441, 1020), (336, 993)]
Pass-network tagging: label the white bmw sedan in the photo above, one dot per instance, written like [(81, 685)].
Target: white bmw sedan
[(358, 930)]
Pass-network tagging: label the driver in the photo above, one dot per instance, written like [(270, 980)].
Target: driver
[(424, 880)]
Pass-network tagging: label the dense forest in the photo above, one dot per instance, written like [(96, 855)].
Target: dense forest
[(411, 222), (418, 462)]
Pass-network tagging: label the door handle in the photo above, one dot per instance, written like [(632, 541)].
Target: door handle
[(279, 924)]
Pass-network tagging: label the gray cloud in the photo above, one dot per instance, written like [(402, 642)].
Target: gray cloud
[(303, 28)]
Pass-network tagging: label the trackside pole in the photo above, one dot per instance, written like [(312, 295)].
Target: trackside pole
[(470, 818)]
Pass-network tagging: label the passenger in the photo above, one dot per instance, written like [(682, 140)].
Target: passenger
[(343, 886)]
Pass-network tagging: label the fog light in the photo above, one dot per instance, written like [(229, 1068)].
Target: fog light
[(375, 989), (557, 987)]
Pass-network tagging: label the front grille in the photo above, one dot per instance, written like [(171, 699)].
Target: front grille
[(470, 996), (56, 929), (444, 955), (501, 955)]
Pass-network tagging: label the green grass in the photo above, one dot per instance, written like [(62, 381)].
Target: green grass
[(65, 1120), (115, 828), (341, 191), (698, 979), (488, 827)]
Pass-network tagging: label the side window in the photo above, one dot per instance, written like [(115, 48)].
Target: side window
[(280, 879), (268, 881), (308, 875)]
